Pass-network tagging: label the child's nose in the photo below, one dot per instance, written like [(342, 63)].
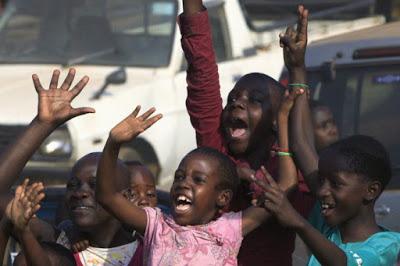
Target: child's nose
[(82, 191), (239, 103), (143, 202), (323, 190)]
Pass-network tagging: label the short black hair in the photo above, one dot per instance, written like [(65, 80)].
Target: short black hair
[(227, 173), (361, 155)]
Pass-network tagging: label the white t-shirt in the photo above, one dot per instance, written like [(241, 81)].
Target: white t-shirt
[(93, 256)]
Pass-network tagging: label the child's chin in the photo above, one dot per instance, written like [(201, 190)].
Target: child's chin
[(237, 148)]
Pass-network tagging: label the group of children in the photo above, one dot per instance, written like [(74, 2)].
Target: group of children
[(240, 198)]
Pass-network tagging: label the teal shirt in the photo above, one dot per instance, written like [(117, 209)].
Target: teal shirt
[(380, 249)]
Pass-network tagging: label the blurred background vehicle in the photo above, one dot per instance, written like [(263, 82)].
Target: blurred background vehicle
[(131, 50)]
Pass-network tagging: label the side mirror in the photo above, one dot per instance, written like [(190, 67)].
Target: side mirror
[(117, 77)]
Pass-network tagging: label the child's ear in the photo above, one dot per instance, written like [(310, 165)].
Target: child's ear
[(224, 198), (374, 190)]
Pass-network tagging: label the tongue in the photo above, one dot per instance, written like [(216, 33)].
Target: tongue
[(238, 132)]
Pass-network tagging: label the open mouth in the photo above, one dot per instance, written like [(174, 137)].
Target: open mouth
[(237, 128), (327, 207), (81, 207), (182, 204)]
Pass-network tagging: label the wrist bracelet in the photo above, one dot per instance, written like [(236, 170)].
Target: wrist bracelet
[(282, 153), (301, 85)]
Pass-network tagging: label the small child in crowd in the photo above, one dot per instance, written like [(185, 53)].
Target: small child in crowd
[(19, 212), (198, 232), (245, 130), (325, 128), (347, 179)]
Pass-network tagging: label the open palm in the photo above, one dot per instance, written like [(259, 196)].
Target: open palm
[(24, 204), (55, 103), (133, 125)]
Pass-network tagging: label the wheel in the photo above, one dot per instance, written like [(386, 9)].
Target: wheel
[(142, 151)]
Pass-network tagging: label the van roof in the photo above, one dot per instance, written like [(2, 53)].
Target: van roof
[(389, 30), (386, 35)]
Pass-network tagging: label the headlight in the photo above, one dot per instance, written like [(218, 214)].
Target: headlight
[(56, 147)]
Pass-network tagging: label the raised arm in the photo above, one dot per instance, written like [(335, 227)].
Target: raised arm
[(287, 169), (107, 193), (277, 204), (204, 103), (294, 45), (20, 212), (53, 110)]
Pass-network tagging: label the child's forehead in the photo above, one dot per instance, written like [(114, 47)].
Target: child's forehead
[(141, 176)]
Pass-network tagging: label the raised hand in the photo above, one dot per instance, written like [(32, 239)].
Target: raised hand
[(133, 125), (55, 103), (288, 100), (294, 43), (25, 204), (276, 202)]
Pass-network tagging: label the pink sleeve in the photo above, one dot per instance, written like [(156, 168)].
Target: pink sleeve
[(204, 103), (153, 219), (229, 225)]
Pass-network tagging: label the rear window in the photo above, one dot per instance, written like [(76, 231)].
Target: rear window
[(365, 100)]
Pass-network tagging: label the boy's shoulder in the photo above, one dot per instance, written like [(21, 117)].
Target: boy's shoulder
[(383, 240)]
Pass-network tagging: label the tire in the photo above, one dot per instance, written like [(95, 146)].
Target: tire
[(142, 151)]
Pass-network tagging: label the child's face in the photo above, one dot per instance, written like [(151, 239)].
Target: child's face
[(325, 129), (142, 190), (194, 193), (341, 193), (84, 210), (247, 118)]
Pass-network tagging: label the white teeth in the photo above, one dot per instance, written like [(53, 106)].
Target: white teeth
[(82, 207), (184, 199), (327, 206)]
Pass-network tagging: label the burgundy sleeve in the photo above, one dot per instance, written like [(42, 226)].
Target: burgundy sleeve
[(204, 103)]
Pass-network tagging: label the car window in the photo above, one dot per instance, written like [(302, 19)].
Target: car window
[(365, 100), (107, 32), (220, 33)]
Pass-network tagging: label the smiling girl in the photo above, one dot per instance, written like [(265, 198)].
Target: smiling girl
[(197, 232)]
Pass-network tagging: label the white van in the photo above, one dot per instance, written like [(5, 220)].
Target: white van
[(131, 51)]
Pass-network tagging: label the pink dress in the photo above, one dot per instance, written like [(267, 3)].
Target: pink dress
[(215, 243)]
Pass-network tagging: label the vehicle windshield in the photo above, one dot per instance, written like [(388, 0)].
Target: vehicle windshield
[(95, 32), (364, 100), (273, 12)]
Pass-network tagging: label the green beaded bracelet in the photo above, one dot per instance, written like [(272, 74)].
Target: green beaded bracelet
[(282, 153), (301, 85)]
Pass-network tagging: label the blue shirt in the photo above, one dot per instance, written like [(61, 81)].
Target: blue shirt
[(380, 249)]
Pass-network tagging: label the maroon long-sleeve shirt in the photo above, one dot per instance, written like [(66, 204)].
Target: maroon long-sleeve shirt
[(270, 244)]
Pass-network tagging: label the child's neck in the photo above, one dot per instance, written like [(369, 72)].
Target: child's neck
[(259, 155), (361, 227)]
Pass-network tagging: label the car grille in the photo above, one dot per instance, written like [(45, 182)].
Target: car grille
[(8, 133)]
